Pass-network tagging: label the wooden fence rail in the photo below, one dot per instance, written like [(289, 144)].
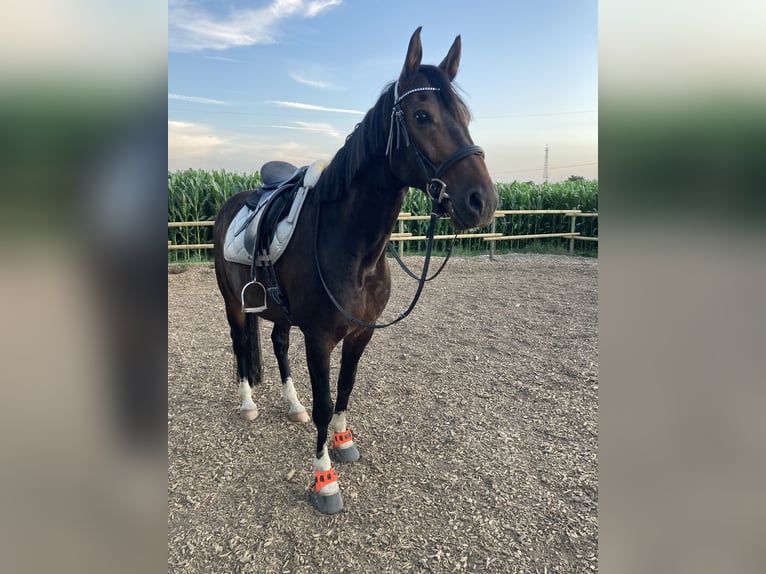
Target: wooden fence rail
[(401, 236)]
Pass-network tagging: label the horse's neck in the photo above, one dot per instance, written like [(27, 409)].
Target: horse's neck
[(370, 209)]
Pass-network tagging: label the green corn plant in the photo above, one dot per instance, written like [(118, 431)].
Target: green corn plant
[(197, 195)]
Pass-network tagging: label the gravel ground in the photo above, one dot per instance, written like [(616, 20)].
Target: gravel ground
[(476, 418)]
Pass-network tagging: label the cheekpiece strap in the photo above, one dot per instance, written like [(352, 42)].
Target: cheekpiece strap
[(397, 117)]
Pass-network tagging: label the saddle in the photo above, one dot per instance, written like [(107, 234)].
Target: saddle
[(263, 227), (270, 204), (274, 175)]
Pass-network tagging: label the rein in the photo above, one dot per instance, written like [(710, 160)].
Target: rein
[(406, 269), (436, 189), (421, 280)]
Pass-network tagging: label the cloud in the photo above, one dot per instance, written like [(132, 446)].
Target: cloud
[(313, 107), (199, 146), (191, 140), (316, 7), (328, 129), (313, 83), (197, 100), (223, 59), (192, 27)]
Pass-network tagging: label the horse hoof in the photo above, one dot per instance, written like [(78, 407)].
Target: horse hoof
[(350, 454), (249, 414), (299, 417), (331, 504)]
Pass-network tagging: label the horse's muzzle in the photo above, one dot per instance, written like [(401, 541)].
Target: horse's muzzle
[(474, 208)]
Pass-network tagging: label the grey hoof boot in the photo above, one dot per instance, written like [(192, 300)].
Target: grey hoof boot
[(350, 454), (331, 504)]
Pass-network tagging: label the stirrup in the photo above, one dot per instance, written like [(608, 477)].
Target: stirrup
[(253, 309)]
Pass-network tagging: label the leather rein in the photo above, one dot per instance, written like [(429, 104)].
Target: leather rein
[(436, 189)]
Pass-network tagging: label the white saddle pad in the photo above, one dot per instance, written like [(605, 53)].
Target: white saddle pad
[(234, 244)]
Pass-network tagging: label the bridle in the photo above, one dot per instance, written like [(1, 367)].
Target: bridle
[(436, 189)]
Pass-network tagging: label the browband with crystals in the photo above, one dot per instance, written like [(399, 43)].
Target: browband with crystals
[(398, 98)]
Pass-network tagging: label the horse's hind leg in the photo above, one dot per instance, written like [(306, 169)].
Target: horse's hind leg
[(247, 350), (343, 448), (280, 337)]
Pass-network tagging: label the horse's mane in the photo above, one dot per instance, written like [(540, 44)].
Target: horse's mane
[(370, 136)]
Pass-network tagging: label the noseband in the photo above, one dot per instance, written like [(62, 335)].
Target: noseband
[(436, 188)]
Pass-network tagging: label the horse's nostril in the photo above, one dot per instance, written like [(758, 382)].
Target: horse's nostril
[(476, 202)]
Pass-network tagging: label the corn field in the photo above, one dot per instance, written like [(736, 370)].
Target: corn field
[(197, 195), (576, 194)]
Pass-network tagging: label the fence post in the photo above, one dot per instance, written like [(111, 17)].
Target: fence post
[(492, 243), (401, 242), (572, 230)]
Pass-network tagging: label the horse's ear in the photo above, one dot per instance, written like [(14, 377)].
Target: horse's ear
[(414, 55), (451, 62)]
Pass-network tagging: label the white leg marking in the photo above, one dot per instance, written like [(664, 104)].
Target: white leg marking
[(323, 463), (247, 409), (296, 412), (338, 421), (338, 424)]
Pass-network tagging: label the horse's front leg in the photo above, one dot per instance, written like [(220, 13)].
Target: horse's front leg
[(343, 447), (325, 492)]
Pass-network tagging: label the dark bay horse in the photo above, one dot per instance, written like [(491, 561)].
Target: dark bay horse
[(415, 135)]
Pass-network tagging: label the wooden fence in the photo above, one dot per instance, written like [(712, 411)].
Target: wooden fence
[(491, 237)]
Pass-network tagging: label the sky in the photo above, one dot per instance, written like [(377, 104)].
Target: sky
[(259, 80)]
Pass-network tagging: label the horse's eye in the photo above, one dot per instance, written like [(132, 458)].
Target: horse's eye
[(422, 117)]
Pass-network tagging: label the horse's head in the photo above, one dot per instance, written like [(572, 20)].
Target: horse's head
[(429, 144)]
